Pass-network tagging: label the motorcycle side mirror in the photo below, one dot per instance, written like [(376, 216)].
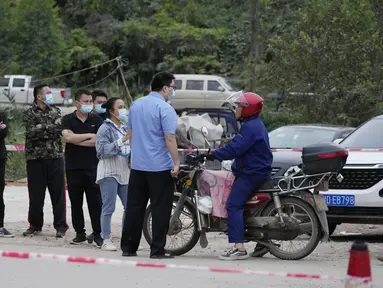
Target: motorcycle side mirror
[(204, 131)]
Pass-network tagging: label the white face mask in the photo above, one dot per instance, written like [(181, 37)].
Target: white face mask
[(99, 109), (49, 99), (86, 108), (123, 115)]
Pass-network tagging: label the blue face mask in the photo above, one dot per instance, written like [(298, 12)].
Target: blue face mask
[(172, 96), (86, 108), (49, 99), (100, 110), (123, 115)]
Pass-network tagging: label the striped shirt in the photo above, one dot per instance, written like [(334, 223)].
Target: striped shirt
[(108, 146)]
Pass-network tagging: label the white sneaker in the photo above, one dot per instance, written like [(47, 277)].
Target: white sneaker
[(108, 245), (234, 254)]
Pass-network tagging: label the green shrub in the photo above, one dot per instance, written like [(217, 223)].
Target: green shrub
[(16, 164)]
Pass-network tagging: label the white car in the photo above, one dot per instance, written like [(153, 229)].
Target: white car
[(19, 89), (359, 197)]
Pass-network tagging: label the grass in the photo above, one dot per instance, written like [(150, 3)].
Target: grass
[(16, 164)]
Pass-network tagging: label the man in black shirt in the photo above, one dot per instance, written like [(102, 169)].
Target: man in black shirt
[(80, 128)]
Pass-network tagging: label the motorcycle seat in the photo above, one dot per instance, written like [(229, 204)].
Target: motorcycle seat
[(268, 185)]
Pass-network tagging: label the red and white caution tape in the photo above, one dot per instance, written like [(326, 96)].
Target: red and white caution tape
[(22, 148), (106, 261), (15, 147)]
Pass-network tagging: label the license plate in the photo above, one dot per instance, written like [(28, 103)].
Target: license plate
[(340, 200)]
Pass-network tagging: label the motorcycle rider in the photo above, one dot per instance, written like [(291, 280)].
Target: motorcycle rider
[(253, 159)]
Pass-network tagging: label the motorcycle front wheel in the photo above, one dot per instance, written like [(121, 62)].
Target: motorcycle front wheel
[(176, 232), (300, 206)]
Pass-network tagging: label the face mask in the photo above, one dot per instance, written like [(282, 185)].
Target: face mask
[(172, 96), (123, 115), (49, 99), (86, 108), (100, 110)]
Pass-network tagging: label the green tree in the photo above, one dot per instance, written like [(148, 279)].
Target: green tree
[(83, 53), (6, 34), (163, 43), (335, 54), (40, 44)]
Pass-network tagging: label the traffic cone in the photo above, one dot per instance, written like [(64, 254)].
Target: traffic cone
[(359, 267)]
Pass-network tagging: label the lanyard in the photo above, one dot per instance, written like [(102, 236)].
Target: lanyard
[(114, 127)]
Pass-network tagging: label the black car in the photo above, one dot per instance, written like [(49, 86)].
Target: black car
[(297, 136)]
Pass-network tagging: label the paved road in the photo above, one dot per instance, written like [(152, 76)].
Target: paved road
[(16, 273), (67, 110), (328, 258)]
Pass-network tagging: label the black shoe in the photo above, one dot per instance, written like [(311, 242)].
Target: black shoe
[(162, 256), (90, 238), (79, 239), (31, 231), (129, 254), (97, 241), (60, 233)]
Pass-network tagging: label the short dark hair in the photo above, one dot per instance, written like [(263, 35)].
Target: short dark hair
[(98, 93), (80, 92), (108, 105), (38, 89), (160, 80)]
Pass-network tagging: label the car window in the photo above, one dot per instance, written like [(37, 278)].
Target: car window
[(222, 121), (18, 82), (213, 85), (228, 85), (194, 85), (345, 134), (298, 137), (4, 82), (369, 135), (178, 84)]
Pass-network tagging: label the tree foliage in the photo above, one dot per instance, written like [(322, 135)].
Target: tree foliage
[(331, 49)]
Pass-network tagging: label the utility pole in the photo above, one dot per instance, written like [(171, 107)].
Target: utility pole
[(255, 49), (127, 96)]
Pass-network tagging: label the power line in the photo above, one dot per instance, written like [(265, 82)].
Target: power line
[(98, 81), (70, 73)]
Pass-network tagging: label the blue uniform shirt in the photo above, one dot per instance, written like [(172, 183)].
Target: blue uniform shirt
[(150, 118), (250, 149)]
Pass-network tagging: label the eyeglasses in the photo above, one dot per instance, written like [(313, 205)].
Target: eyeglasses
[(174, 87)]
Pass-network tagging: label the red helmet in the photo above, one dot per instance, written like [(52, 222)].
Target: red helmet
[(251, 103)]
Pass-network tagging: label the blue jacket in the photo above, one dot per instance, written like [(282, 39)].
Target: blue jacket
[(250, 149)]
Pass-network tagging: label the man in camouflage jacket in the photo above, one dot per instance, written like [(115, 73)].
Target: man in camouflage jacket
[(45, 164)]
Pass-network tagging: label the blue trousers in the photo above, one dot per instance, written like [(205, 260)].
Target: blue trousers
[(110, 189), (243, 187)]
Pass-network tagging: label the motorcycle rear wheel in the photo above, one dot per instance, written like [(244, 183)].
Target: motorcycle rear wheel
[(193, 239), (315, 234)]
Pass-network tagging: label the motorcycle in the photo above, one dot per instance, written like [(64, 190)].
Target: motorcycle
[(285, 209)]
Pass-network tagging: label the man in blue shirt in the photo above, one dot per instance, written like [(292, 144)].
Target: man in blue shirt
[(252, 166), (151, 128)]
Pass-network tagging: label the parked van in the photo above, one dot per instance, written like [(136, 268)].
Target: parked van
[(201, 91)]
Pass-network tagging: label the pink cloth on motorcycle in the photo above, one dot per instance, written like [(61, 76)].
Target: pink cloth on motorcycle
[(216, 184)]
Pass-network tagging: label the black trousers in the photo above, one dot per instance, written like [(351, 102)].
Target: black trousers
[(159, 188), (80, 181), (2, 186), (43, 173)]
